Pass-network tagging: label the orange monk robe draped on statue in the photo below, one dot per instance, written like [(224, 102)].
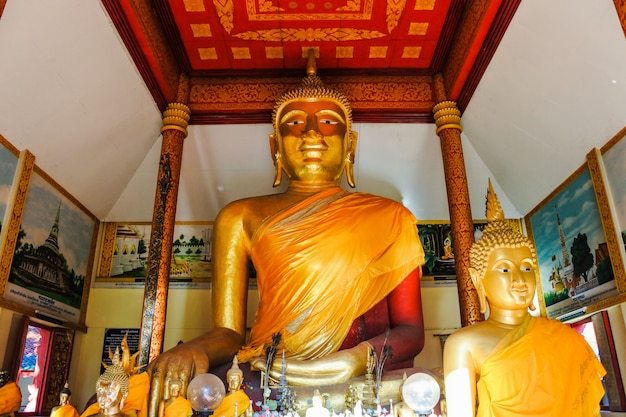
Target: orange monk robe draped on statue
[(180, 407), (10, 398), (66, 410), (542, 368), (227, 407), (341, 253)]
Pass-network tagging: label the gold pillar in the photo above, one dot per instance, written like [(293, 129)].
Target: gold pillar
[(448, 122), (174, 131)]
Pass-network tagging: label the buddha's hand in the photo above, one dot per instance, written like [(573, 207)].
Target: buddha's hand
[(331, 369), (182, 362), (186, 360)]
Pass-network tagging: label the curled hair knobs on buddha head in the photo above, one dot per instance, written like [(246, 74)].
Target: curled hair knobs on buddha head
[(497, 234), (312, 88)]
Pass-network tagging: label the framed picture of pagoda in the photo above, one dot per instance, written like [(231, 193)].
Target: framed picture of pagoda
[(576, 276), (51, 268)]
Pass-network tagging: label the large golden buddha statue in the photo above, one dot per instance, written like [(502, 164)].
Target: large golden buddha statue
[(335, 269), (513, 363)]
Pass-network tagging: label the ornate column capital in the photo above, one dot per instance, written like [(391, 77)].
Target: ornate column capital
[(176, 117), (447, 116)]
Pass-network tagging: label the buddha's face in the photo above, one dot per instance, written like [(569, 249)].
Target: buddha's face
[(109, 394), (64, 399), (312, 140), (234, 382), (509, 280), (174, 390)]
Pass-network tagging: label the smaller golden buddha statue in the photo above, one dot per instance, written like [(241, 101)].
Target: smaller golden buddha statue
[(64, 409), (176, 405), (111, 391), (513, 363), (236, 402)]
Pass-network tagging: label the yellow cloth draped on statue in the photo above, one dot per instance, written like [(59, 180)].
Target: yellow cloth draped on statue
[(347, 251), (10, 398), (66, 410), (227, 407), (138, 390), (531, 373), (136, 403), (180, 407)]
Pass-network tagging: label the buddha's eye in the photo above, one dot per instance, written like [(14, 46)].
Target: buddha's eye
[(329, 122), (295, 122)]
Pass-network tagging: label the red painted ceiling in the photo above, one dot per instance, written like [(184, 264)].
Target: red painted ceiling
[(249, 44), (258, 34)]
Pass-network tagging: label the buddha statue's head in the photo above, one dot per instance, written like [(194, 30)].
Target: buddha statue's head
[(234, 376), (175, 386), (64, 396), (112, 388), (506, 254), (312, 139)]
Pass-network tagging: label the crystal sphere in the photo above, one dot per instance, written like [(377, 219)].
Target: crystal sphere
[(421, 392), (206, 392)]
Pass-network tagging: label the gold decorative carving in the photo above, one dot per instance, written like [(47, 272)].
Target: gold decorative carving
[(411, 51), (266, 6), (176, 117), (418, 28), (194, 5), (409, 93), (309, 35), (107, 251), (344, 52), (611, 233), (26, 164), (424, 5), (464, 39), (207, 54), (265, 13), (59, 368), (268, 12), (241, 52), (226, 12), (351, 6), (447, 116), (274, 52), (201, 30), (394, 11), (378, 52)]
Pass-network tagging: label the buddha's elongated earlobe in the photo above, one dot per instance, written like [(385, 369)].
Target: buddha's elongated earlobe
[(276, 157), (482, 298), (532, 307), (351, 151)]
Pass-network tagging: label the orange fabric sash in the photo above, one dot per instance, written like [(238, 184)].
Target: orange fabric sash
[(66, 410), (10, 398), (180, 407), (542, 368), (322, 263), (227, 407)]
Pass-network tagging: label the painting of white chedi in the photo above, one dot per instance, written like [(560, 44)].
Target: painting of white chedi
[(51, 260), (191, 251), (574, 262)]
